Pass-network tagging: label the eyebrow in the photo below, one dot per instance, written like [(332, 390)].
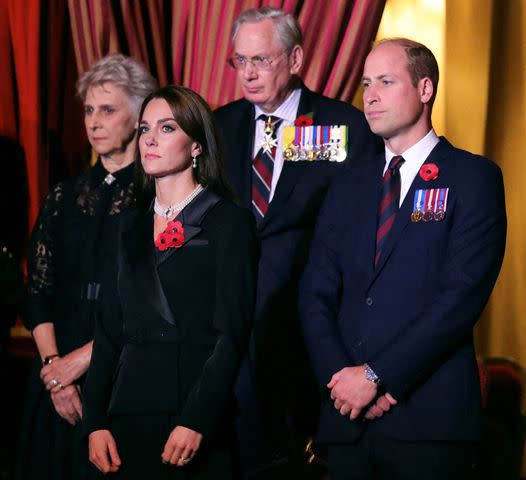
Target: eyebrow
[(113, 105), (161, 120), (379, 77)]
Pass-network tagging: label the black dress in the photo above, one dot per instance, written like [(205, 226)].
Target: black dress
[(73, 238), (187, 315)]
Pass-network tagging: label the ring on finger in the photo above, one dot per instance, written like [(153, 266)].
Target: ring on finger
[(62, 387), (185, 460), (54, 382)]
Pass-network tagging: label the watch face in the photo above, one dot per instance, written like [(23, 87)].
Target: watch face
[(370, 375)]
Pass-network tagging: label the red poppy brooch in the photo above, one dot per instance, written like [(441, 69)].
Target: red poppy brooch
[(172, 237), (429, 171), (304, 120)]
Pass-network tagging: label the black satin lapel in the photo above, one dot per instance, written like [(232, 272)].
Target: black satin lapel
[(138, 244), (191, 218), (403, 217)]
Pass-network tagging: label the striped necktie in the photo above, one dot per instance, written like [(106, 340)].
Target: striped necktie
[(263, 167), (389, 205)]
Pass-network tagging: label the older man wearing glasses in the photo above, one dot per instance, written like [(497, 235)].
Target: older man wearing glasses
[(283, 145)]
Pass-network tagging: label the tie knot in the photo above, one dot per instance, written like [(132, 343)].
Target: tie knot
[(269, 118), (396, 162), (271, 123)]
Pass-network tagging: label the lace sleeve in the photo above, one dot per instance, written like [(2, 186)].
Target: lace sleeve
[(41, 262)]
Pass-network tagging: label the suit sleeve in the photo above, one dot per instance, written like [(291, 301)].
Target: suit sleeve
[(236, 277), (473, 259), (319, 295)]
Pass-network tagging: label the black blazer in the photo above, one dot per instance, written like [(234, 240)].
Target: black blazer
[(280, 362), (187, 315)]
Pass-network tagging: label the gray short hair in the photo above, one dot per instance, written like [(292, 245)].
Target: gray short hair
[(124, 72), (286, 25)]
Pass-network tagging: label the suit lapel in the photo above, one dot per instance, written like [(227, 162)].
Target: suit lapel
[(139, 252), (403, 216), (370, 199), (245, 151), (139, 257), (191, 218), (290, 174)]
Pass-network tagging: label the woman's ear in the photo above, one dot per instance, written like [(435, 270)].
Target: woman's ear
[(196, 149)]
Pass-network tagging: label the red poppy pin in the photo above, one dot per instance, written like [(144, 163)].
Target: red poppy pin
[(429, 171), (304, 120), (172, 237)]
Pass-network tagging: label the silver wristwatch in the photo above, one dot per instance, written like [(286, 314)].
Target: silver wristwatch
[(370, 375)]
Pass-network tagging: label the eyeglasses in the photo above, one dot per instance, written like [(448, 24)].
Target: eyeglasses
[(239, 62)]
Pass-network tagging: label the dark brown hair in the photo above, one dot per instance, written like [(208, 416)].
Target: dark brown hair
[(194, 116)]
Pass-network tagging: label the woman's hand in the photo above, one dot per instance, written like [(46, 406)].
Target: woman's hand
[(103, 451), (63, 371), (181, 446), (67, 403)]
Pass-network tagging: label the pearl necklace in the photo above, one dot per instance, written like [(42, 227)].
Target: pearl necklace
[(170, 210)]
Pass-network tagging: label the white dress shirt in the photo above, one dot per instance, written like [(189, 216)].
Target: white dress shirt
[(414, 159), (287, 111)]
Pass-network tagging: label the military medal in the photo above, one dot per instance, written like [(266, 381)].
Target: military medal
[(440, 212), (315, 142), (417, 214), (269, 141), (430, 204), (290, 152)]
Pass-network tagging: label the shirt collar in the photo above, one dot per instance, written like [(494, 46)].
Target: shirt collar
[(418, 152), (287, 110)]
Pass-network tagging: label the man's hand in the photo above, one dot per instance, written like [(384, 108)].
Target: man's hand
[(103, 451), (181, 446), (351, 391), (383, 404), (67, 403)]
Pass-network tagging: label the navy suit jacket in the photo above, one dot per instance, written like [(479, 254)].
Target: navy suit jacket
[(285, 233), (411, 319)]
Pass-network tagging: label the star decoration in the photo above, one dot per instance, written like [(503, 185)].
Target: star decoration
[(268, 143)]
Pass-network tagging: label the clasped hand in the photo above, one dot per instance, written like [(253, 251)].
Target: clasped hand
[(63, 371), (352, 392)]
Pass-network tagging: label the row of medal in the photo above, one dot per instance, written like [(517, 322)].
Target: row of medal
[(315, 142), (430, 205)]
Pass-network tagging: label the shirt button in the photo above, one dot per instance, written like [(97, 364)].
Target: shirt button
[(369, 301)]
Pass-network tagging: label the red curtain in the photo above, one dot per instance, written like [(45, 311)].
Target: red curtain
[(193, 46), (24, 29), (46, 44), (36, 91)]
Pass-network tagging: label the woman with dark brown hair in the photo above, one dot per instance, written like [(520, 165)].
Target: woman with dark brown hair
[(159, 394)]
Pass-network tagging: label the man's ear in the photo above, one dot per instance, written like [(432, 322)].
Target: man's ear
[(426, 89), (296, 60)]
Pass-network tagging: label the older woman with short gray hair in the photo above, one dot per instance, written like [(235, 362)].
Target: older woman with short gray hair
[(70, 255)]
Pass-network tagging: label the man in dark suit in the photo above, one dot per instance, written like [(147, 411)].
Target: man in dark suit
[(285, 195), (394, 287)]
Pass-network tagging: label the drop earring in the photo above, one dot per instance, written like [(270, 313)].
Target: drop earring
[(194, 161)]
